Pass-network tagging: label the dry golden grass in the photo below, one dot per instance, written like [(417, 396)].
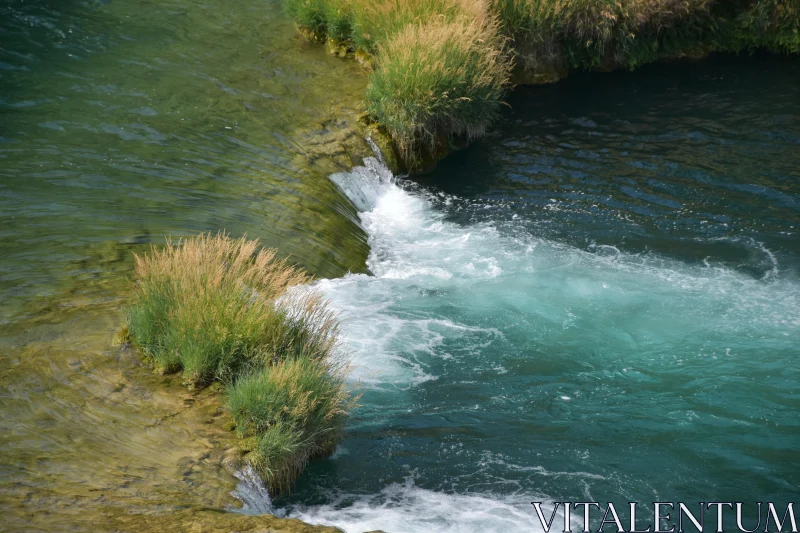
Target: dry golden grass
[(375, 21), (207, 305), (207, 262)]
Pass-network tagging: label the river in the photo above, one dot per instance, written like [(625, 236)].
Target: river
[(597, 302)]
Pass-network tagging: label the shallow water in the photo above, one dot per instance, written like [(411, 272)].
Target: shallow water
[(130, 121), (122, 123), (597, 302)]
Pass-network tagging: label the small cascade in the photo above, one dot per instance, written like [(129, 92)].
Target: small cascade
[(363, 185), (482, 349), (252, 493)]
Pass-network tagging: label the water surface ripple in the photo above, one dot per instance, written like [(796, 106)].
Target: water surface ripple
[(600, 302), (122, 123)]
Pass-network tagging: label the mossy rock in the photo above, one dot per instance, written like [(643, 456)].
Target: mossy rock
[(365, 58), (311, 35), (337, 48), (387, 147), (122, 337)]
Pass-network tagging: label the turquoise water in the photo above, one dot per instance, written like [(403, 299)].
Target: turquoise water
[(597, 302)]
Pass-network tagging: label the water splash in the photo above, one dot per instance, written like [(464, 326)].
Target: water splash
[(253, 494), (452, 327)]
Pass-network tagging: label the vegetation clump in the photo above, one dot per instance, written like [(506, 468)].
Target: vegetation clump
[(441, 67), (607, 34), (221, 309), (438, 80), (291, 412), (555, 35)]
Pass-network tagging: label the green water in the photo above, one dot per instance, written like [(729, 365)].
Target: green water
[(597, 302), (122, 123), (129, 121)]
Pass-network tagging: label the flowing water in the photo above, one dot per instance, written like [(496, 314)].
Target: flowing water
[(597, 302)]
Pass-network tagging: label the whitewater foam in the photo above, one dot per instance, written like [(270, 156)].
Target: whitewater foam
[(440, 291), (415, 249), (410, 509)]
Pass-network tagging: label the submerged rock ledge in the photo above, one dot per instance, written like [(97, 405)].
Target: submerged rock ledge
[(227, 312), (213, 521)]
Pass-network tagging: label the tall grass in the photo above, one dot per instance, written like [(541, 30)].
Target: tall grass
[(295, 411), (430, 85), (438, 80), (376, 21), (207, 305), (440, 68), (607, 34), (220, 309), (596, 33), (770, 24), (312, 15)]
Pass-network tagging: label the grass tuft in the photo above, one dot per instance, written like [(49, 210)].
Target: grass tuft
[(207, 305), (431, 86), (440, 68), (221, 309), (438, 80), (296, 408)]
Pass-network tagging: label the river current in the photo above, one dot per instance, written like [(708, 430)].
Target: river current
[(597, 302)]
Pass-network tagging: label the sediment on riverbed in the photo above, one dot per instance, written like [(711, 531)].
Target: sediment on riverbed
[(439, 69)]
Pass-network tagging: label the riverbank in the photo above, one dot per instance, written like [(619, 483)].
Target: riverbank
[(439, 71)]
